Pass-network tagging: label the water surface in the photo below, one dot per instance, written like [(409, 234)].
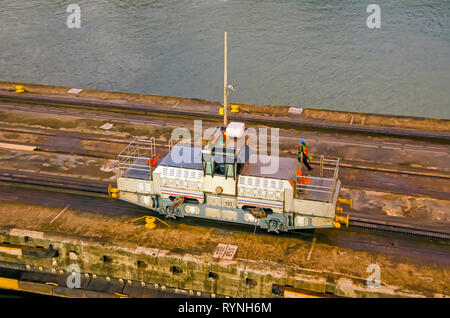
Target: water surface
[(316, 53)]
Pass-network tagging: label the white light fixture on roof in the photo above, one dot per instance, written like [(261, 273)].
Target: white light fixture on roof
[(235, 129)]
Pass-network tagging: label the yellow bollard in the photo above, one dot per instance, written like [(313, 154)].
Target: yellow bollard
[(234, 108), (113, 192), (339, 209), (18, 89), (342, 219), (150, 222), (349, 202), (21, 89), (221, 111)]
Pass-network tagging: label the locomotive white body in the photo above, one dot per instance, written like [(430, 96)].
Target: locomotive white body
[(227, 183)]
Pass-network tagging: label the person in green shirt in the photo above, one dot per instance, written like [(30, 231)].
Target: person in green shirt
[(303, 153)]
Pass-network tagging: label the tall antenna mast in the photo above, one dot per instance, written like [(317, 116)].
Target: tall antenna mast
[(225, 81)]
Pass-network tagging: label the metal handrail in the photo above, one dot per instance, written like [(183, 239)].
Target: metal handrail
[(137, 149), (312, 186), (322, 191), (325, 184)]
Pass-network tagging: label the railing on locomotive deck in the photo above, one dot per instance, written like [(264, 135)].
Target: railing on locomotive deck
[(322, 187), (134, 157)]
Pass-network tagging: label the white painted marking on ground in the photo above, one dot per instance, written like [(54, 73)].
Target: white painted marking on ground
[(401, 146), (392, 143), (384, 147), (220, 250), (17, 147), (106, 126), (426, 150), (437, 148), (62, 211), (420, 150), (229, 253), (11, 250), (295, 110), (75, 90), (350, 143)]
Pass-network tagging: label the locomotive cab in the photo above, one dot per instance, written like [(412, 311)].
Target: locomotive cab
[(223, 157)]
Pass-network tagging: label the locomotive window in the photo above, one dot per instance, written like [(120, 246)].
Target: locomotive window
[(208, 168), (239, 167), (230, 171), (219, 168)]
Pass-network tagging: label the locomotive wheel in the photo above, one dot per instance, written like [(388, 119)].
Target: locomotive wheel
[(273, 226), (170, 213)]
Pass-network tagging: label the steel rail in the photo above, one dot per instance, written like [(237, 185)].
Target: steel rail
[(100, 187), (160, 144), (164, 110), (428, 232), (54, 180)]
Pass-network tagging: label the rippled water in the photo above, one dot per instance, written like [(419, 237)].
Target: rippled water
[(316, 53)]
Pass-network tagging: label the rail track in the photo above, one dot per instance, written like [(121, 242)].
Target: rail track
[(429, 232), (265, 120), (161, 122), (95, 187), (398, 180), (288, 136), (54, 181), (360, 165)]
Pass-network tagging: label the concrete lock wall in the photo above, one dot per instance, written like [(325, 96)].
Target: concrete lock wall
[(176, 269)]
